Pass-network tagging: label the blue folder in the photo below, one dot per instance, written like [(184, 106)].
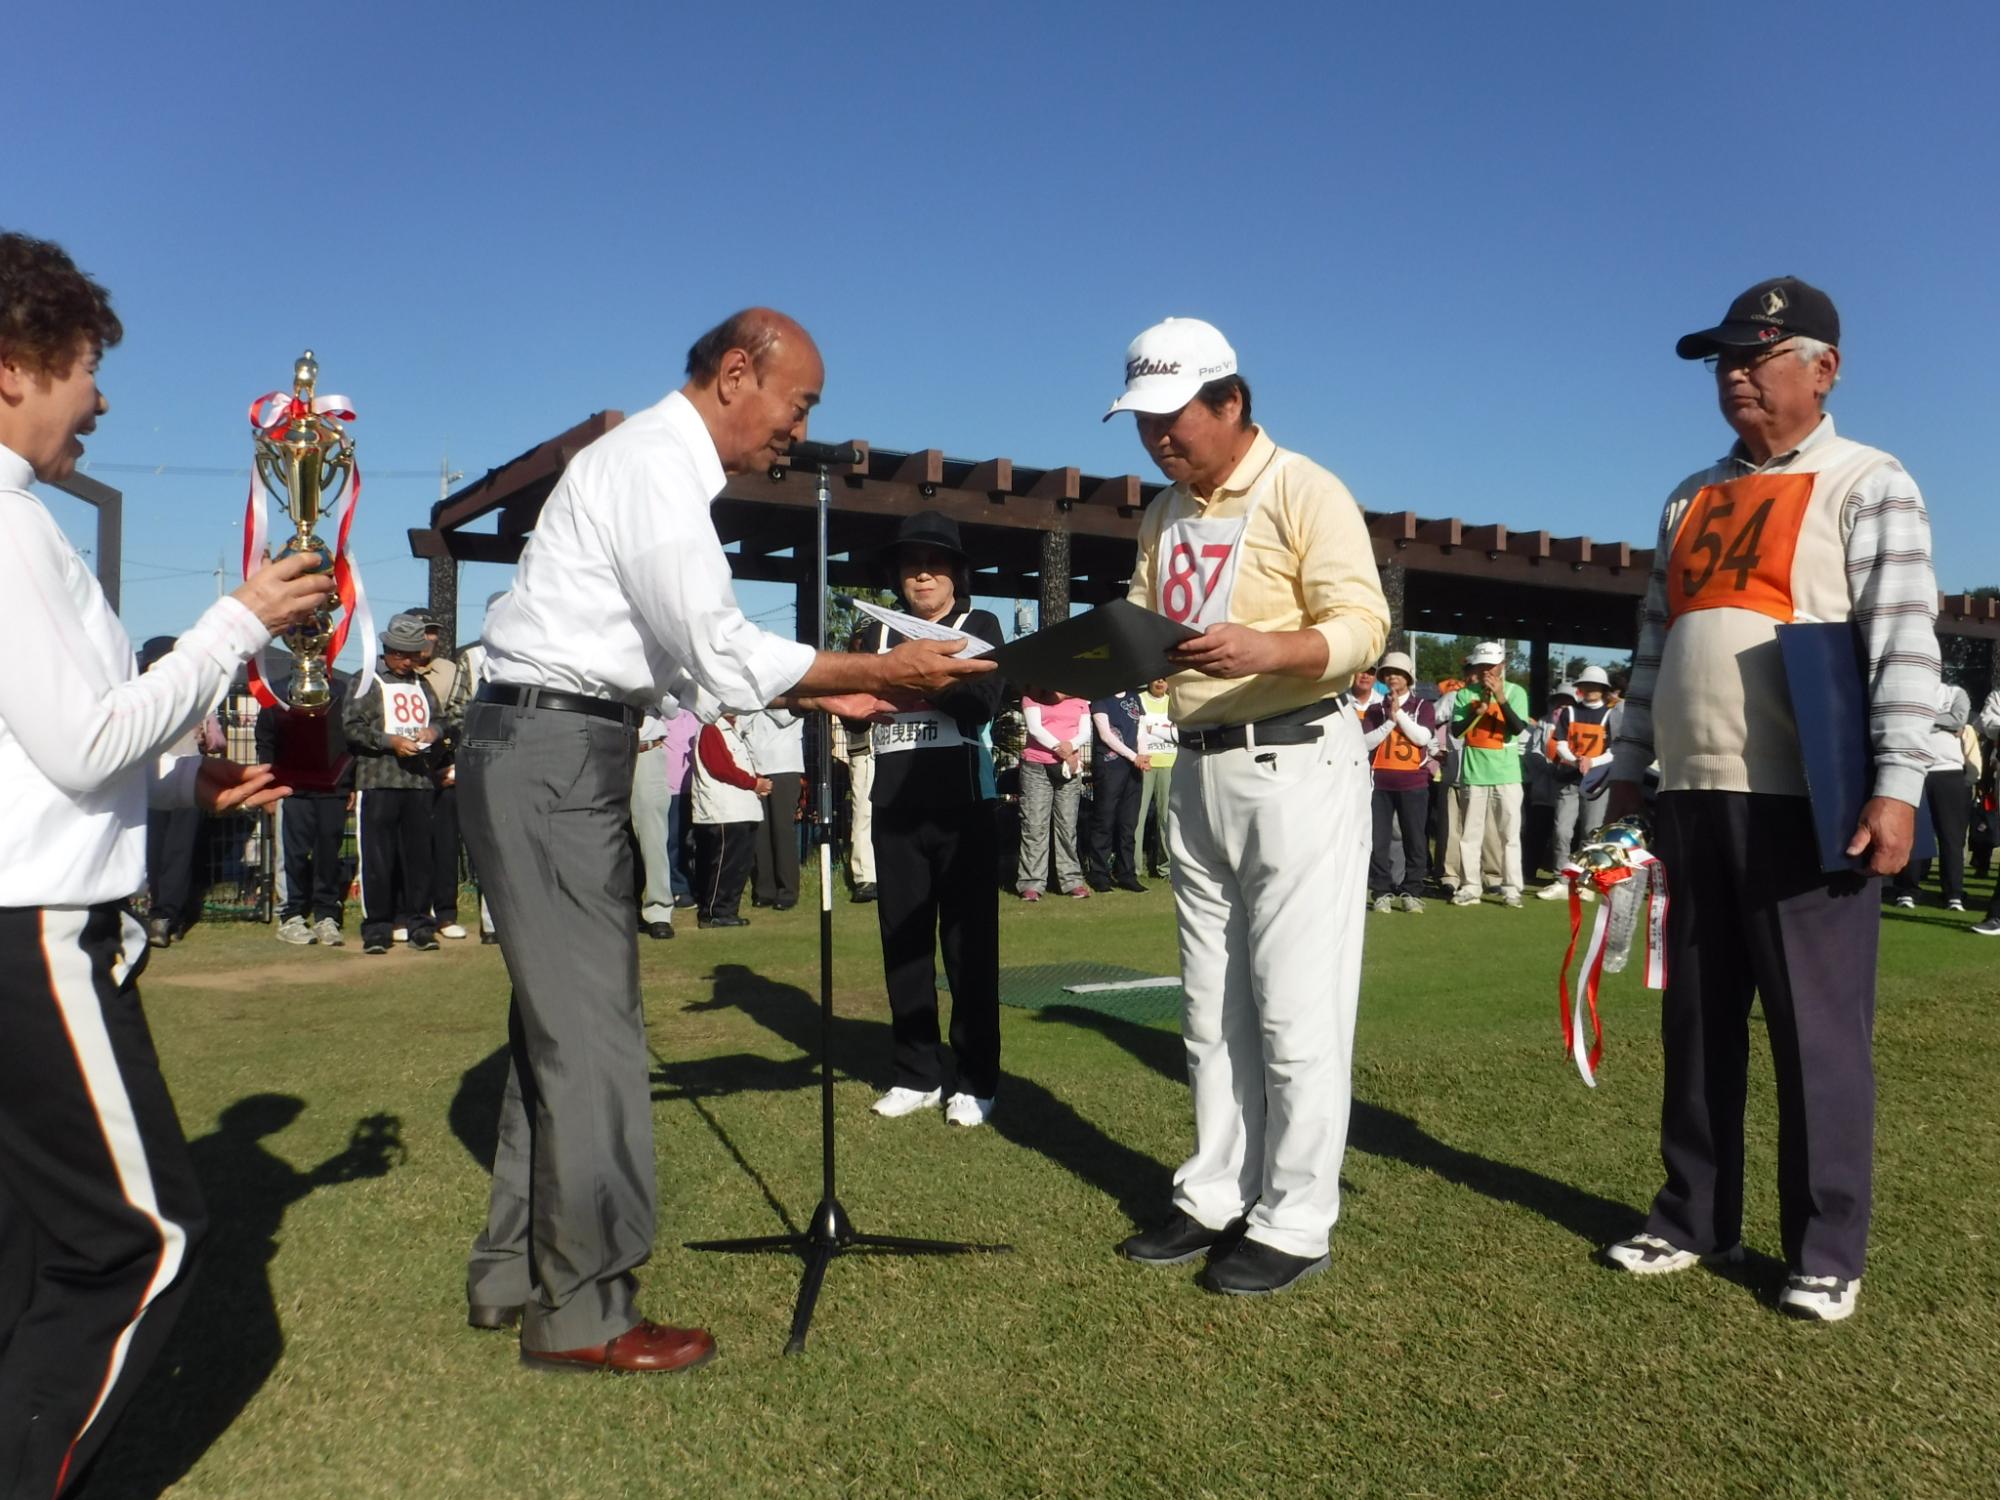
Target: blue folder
[(1823, 674)]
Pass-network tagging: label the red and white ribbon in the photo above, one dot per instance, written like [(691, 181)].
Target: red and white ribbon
[(1588, 1049), (270, 414)]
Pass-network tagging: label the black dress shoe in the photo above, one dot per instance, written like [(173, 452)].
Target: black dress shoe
[(659, 929), (489, 938), (685, 903), (758, 901), (784, 905), (491, 1319), (159, 931), (1131, 883), (725, 921), (1154, 872), (1098, 883), (864, 892), (1253, 1269), (1179, 1240)]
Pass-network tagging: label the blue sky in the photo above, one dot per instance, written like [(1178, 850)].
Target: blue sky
[(1453, 245)]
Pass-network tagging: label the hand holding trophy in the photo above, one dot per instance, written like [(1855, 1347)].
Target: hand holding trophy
[(305, 456)]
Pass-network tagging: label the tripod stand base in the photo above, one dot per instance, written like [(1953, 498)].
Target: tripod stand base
[(832, 1233)]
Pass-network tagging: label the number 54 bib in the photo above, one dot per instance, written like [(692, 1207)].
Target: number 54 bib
[(1736, 545), (1195, 571)]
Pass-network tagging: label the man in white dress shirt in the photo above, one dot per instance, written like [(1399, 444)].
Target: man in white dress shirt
[(623, 597), (100, 1216)]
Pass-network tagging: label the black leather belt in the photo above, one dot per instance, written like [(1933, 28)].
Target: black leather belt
[(1298, 726), (562, 703)]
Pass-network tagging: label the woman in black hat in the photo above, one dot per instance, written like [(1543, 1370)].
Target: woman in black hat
[(936, 853)]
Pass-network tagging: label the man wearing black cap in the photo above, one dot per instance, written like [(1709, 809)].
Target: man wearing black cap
[(1793, 523)]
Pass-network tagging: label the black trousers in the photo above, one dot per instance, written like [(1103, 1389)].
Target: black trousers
[(1752, 915), (444, 855), (174, 849), (1411, 809), (1114, 818), (724, 853), (394, 828), (100, 1216), (937, 889), (1949, 800), (778, 842), (310, 827)]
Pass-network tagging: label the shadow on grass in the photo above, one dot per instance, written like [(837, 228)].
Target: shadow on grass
[(1382, 1132), (228, 1339), (1029, 1115)]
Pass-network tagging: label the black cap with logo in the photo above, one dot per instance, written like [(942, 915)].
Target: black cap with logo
[(1781, 308)]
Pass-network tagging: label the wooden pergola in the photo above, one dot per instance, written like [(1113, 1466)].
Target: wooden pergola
[(1061, 536)]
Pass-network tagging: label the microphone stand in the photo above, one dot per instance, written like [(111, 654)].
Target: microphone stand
[(831, 1232)]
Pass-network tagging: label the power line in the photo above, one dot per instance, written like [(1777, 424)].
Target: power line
[(191, 471)]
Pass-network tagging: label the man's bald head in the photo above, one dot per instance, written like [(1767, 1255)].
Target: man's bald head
[(757, 331), (754, 378)]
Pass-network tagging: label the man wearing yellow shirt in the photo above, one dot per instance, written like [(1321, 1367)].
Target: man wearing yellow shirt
[(1267, 555)]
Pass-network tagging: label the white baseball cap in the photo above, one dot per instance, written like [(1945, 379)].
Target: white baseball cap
[(1593, 677), (1487, 654), (1169, 362)]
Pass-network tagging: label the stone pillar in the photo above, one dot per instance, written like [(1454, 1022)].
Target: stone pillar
[(1395, 583), (1538, 677), (1055, 575), (443, 602)]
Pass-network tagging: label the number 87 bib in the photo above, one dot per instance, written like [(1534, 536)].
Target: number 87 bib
[(1195, 571)]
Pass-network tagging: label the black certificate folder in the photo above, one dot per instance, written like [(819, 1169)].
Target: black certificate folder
[(1112, 648), (1823, 675)]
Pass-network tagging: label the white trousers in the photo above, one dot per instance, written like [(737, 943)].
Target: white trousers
[(1270, 859), (861, 819), (1499, 807)]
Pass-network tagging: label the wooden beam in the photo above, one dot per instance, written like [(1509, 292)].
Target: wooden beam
[(1395, 526), (1491, 538), (541, 464), (1059, 485), (995, 477), (1570, 549), (926, 467), (1528, 543), (1445, 533), (1124, 493)]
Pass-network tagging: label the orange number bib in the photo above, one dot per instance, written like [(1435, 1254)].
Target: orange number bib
[(1735, 544), (1488, 731), (1586, 739), (1395, 753)]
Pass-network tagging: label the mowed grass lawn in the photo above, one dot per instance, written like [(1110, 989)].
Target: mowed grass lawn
[(1463, 1343)]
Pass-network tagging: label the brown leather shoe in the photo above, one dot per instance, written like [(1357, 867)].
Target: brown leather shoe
[(648, 1349)]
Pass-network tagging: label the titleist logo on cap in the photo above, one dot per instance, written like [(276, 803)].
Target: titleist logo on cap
[(1134, 368)]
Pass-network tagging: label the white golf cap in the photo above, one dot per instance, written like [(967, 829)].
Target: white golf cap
[(1487, 654), (1169, 362), (1593, 677), (1398, 661)]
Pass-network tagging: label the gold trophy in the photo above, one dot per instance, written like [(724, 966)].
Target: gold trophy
[(307, 466)]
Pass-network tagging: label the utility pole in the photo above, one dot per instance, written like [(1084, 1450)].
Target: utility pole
[(443, 599)]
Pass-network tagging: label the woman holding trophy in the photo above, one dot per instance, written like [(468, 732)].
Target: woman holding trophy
[(99, 1211)]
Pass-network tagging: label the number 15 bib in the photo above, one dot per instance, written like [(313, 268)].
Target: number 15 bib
[(1195, 571)]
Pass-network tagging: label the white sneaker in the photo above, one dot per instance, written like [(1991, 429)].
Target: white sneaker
[(963, 1109), (1825, 1299), (1555, 890), (900, 1101), (1649, 1255), (1908, 903), (293, 930), (401, 934), (1510, 898), (1988, 928), (1414, 904), (1464, 897), (328, 933), (1954, 906), (451, 930), (1383, 903)]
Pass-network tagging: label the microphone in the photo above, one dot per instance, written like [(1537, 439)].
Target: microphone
[(822, 455)]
